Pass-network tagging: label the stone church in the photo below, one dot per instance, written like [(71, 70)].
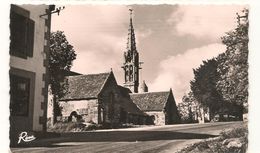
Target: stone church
[(98, 98)]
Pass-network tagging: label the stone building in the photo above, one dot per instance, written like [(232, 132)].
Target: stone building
[(29, 52), (97, 98), (160, 106)]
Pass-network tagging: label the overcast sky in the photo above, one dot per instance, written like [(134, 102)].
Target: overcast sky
[(171, 39)]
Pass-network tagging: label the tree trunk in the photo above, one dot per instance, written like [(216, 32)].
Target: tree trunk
[(240, 116), (190, 115), (54, 108)]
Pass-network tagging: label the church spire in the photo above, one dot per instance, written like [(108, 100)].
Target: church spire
[(131, 45), (131, 60)]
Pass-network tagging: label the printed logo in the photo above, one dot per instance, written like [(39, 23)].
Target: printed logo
[(24, 137)]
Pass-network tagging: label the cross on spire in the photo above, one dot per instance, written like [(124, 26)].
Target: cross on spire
[(131, 46), (131, 12)]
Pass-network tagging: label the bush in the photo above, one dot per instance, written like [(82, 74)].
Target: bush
[(61, 127), (235, 133), (233, 141)]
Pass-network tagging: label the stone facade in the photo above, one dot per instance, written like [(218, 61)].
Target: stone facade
[(88, 109), (109, 101), (158, 117)]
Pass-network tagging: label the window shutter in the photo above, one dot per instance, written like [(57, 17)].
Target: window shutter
[(18, 27), (30, 37)]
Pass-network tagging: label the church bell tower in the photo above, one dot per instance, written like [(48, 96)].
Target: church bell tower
[(131, 60)]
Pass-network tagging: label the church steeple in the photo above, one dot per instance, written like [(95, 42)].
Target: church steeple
[(131, 34), (131, 60)]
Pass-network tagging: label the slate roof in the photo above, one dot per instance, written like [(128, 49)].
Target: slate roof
[(150, 101), (85, 86)]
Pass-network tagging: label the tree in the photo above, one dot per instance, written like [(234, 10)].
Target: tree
[(204, 86), (62, 55), (233, 65), (188, 108)]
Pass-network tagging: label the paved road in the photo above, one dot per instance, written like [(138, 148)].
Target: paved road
[(155, 139)]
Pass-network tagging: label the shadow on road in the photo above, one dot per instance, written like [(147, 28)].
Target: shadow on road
[(116, 136)]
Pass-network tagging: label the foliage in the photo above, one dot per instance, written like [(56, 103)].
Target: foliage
[(204, 86), (221, 83), (188, 108), (233, 65), (62, 55)]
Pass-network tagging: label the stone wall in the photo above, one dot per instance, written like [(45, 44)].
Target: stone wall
[(159, 117), (88, 109)]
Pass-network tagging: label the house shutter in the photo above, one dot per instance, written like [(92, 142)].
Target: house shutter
[(30, 37), (18, 27)]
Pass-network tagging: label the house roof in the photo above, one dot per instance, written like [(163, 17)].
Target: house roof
[(150, 101), (85, 86)]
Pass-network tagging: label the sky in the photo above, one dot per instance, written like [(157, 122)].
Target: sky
[(171, 39)]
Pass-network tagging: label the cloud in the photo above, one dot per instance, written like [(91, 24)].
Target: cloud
[(100, 57), (176, 71), (203, 20), (98, 34)]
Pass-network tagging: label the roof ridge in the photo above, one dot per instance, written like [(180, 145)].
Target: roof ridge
[(150, 92), (89, 74)]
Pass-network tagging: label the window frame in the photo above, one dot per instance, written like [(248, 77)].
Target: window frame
[(31, 77)]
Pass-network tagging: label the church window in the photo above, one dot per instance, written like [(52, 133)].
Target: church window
[(126, 73), (131, 73)]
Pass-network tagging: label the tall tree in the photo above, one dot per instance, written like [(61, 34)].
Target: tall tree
[(204, 86), (62, 55), (233, 65)]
